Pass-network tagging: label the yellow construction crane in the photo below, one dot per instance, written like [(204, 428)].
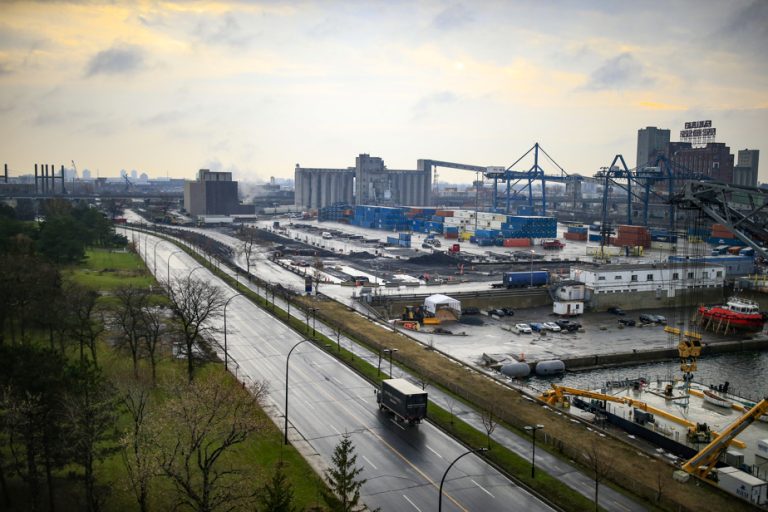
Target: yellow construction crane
[(702, 463), (557, 395)]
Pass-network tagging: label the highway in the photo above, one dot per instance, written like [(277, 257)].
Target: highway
[(403, 465), (558, 468)]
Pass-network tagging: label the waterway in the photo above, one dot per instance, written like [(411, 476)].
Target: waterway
[(747, 373)]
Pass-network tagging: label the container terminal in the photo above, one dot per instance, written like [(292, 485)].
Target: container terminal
[(567, 283)]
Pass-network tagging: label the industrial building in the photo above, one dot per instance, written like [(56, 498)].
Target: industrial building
[(651, 142), (213, 193), (745, 172), (633, 283), (714, 159), (370, 182)]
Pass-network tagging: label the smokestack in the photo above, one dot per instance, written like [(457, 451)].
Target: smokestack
[(63, 185), (36, 188), (45, 179), (6, 173)]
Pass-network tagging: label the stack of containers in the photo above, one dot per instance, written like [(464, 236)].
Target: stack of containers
[(577, 233), (451, 232), (721, 235), (529, 227), (632, 236), (339, 212), (595, 237)]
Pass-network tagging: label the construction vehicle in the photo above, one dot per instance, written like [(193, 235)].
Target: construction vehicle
[(702, 463)]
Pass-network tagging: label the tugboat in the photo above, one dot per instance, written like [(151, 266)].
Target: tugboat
[(737, 313)]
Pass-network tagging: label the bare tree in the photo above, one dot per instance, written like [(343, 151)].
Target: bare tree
[(152, 327), (599, 463), (84, 319), (247, 246), (195, 303), (451, 403), (137, 442), (201, 422), (490, 421), (128, 317), (90, 409)]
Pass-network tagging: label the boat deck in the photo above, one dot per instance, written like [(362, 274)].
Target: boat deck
[(696, 411)]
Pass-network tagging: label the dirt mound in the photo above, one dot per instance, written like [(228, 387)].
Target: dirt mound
[(436, 258), (361, 255)]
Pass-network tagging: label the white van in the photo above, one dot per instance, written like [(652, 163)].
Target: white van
[(326, 235)]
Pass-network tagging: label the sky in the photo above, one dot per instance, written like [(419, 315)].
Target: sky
[(257, 87)]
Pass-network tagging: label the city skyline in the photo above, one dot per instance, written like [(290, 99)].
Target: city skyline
[(254, 88)]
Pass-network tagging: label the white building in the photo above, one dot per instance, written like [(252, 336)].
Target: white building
[(663, 279)]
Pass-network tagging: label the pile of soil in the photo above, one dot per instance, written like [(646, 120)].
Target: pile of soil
[(361, 255), (436, 258)]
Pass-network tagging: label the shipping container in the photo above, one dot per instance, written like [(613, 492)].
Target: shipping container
[(524, 279), (743, 485)]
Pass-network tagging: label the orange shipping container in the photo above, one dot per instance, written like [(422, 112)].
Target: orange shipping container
[(444, 213), (575, 236), (517, 242)]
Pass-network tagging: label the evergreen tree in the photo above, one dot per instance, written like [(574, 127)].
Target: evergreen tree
[(342, 479), (277, 495)]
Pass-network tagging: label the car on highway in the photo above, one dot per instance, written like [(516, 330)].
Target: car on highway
[(616, 311), (627, 322), (552, 326), (523, 329)]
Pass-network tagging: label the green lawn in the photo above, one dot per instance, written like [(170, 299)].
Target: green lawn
[(105, 270)]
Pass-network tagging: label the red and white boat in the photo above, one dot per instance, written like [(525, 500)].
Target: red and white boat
[(738, 313)]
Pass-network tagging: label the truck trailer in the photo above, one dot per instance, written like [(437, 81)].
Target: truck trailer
[(404, 400), (525, 279)]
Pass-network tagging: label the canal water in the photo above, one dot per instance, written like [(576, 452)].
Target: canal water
[(747, 373)]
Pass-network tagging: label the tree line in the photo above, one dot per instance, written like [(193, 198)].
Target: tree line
[(63, 412)]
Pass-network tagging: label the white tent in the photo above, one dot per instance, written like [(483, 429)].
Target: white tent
[(440, 301)]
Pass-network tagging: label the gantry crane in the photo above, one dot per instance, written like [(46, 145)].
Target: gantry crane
[(702, 463)]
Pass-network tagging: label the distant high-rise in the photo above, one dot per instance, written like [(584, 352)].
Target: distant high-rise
[(213, 193), (86, 174), (651, 142), (745, 172)]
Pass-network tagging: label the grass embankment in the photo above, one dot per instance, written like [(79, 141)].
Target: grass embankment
[(631, 471), (105, 271)]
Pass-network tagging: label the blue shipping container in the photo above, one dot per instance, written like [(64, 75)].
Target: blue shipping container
[(524, 279)]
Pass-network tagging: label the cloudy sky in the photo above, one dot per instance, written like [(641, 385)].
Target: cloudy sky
[(256, 87)]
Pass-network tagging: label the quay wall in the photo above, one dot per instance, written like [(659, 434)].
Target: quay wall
[(649, 356)]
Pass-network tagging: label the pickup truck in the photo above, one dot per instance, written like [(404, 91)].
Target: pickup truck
[(552, 244), (404, 400)]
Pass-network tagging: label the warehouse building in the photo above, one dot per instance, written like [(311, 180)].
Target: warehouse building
[(645, 285), (213, 193)]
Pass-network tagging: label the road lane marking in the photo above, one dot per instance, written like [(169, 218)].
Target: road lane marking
[(334, 429), (369, 462), (412, 503), (483, 488), (309, 404), (433, 451)]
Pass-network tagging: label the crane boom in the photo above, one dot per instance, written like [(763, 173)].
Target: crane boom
[(557, 392), (702, 463)]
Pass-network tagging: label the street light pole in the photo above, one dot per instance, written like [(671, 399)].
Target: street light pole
[(531, 273), (168, 264), (226, 356), (389, 351), (533, 429), (287, 360), (154, 255), (442, 480)]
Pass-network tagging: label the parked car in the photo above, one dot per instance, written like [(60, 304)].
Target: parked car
[(537, 327), (647, 319), (661, 319), (523, 328), (551, 326), (568, 325), (508, 311), (628, 322), (616, 311)]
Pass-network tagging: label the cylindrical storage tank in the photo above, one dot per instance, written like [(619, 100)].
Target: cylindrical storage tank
[(552, 367), (516, 370)]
